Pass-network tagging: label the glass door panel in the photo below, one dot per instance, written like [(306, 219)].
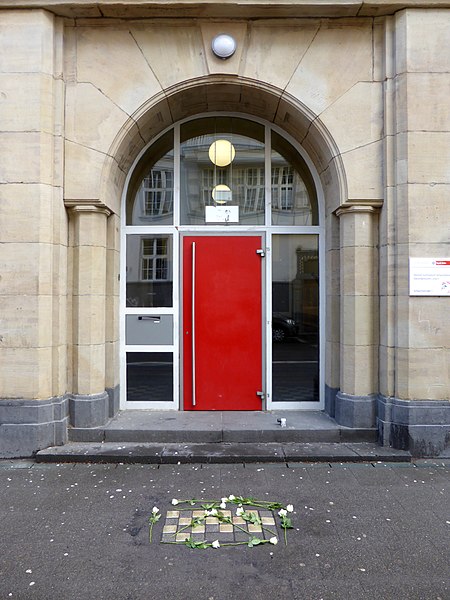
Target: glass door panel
[(295, 318)]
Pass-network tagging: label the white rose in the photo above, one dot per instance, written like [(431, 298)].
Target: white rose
[(215, 544), (239, 511), (274, 540), (282, 512), (222, 505), (290, 508), (155, 510), (174, 501), (231, 497), (223, 500)]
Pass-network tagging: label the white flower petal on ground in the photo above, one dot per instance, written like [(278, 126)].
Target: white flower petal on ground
[(155, 510), (282, 512), (274, 540), (216, 544), (174, 501), (290, 508)]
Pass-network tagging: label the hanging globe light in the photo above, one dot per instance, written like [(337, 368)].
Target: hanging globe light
[(221, 153), (221, 194)]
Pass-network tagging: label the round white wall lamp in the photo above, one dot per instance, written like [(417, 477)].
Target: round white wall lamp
[(223, 45)]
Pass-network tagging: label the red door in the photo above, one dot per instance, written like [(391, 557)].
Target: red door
[(222, 322)]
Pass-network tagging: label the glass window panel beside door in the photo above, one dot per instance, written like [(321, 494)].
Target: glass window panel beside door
[(150, 376), (149, 270), (295, 318)]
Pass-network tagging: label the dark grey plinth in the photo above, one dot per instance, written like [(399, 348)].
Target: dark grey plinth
[(27, 426), (420, 426), (114, 400), (330, 400), (90, 410), (355, 411)]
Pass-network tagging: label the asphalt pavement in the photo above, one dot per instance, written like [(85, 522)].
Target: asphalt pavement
[(361, 531)]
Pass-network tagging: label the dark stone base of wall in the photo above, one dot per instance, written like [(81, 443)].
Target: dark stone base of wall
[(420, 426), (330, 401), (355, 411), (89, 410), (114, 400), (27, 426)]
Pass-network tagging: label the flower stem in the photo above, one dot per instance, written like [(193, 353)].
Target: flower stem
[(242, 529)]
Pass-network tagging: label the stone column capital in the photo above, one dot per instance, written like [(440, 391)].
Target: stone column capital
[(359, 206), (75, 207)]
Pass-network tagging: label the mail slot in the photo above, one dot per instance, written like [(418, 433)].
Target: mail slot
[(150, 330)]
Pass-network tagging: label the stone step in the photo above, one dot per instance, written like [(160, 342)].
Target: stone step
[(221, 452), (216, 427)]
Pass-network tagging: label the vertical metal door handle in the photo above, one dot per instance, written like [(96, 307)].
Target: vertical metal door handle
[(193, 324)]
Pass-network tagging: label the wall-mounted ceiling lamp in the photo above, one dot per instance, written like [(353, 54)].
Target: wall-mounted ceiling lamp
[(223, 45), (221, 194), (221, 153)]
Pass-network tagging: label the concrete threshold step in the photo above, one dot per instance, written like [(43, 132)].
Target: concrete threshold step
[(223, 452), (167, 427), (205, 436)]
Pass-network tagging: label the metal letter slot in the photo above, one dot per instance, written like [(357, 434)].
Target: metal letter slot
[(193, 324), (149, 318)]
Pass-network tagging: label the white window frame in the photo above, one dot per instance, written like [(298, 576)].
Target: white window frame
[(176, 231)]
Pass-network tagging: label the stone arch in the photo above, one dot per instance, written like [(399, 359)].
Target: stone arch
[(229, 94)]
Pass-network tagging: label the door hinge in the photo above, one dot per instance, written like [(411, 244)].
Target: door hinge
[(262, 395), (261, 252)]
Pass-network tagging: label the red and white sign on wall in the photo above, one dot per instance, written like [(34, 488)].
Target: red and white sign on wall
[(429, 276)]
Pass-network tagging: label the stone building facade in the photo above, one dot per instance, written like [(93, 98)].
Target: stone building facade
[(359, 90)]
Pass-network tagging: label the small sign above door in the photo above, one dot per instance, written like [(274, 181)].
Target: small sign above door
[(222, 214)]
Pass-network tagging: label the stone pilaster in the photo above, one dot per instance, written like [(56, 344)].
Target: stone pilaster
[(88, 248), (356, 400), (414, 407), (33, 231)]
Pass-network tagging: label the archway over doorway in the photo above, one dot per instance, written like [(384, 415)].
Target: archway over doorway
[(217, 94), (222, 93)]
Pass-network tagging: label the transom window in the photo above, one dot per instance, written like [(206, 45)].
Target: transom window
[(158, 193), (237, 181)]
